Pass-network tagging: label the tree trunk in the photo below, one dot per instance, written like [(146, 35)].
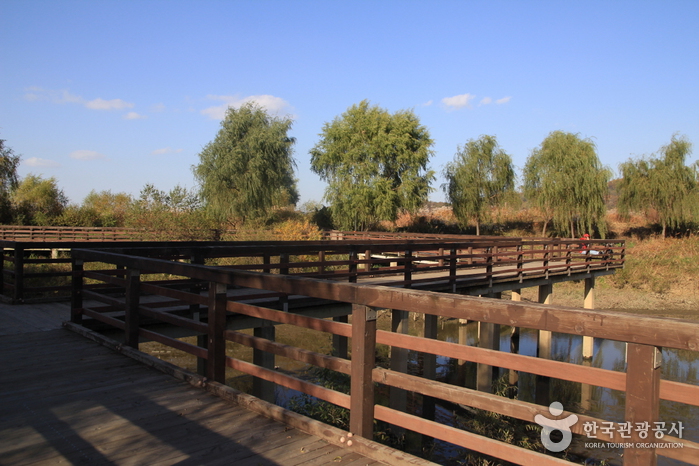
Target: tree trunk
[(543, 230), (478, 228)]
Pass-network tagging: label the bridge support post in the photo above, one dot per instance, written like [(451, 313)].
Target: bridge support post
[(488, 337), (363, 362), (261, 388), (513, 377), (589, 303), (398, 398), (131, 323), (642, 399), (339, 342), (429, 369), (216, 347), (76, 293), (543, 348)]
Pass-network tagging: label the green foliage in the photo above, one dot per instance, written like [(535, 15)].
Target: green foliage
[(176, 214), (566, 181), (663, 184), (375, 164), (480, 178), (38, 201), (8, 179), (248, 168)]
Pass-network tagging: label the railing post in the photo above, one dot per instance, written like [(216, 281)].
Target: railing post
[(489, 266), (642, 399), (198, 259), (367, 257), (352, 267), (216, 351), (76, 292), (520, 264), (321, 261), (408, 267), (363, 362), (18, 293), (452, 269), (131, 318)]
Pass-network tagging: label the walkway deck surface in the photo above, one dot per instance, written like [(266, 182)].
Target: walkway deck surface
[(65, 399)]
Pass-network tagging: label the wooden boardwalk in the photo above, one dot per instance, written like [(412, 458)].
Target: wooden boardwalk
[(65, 399)]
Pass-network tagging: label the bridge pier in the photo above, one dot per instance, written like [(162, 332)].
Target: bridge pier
[(543, 350), (264, 389), (488, 337), (513, 379), (398, 398)]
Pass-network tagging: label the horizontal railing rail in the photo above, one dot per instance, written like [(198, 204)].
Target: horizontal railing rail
[(219, 293)]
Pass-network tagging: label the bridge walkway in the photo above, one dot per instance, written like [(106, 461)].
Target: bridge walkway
[(67, 399)]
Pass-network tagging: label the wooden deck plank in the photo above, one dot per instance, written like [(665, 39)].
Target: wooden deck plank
[(66, 399)]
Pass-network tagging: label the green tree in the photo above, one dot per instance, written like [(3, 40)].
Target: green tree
[(662, 184), (111, 208), (375, 164), (480, 178), (175, 214), (248, 168), (38, 201), (566, 181), (8, 179)]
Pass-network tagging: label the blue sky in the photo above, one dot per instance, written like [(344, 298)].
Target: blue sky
[(111, 95)]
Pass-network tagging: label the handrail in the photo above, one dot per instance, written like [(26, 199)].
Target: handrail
[(641, 380)]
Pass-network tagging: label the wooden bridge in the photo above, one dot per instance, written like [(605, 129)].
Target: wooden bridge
[(214, 291)]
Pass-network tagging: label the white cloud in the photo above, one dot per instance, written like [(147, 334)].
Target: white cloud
[(65, 97), (86, 155), (486, 101), (166, 150), (458, 101), (271, 103), (133, 116), (504, 100), (114, 104), (38, 162), (428, 103)]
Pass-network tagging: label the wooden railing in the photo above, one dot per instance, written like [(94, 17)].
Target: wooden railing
[(34, 272), (217, 294)]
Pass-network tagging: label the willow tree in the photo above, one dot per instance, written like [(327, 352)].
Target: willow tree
[(8, 179), (565, 179), (480, 179), (375, 164), (661, 184), (248, 168)]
